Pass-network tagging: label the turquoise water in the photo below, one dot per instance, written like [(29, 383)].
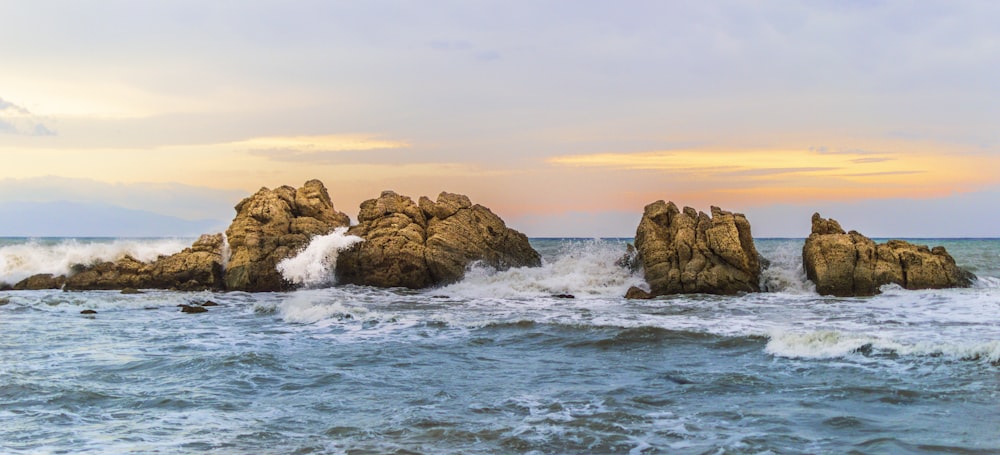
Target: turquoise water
[(495, 364)]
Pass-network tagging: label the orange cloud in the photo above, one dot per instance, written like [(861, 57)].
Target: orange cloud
[(788, 175)]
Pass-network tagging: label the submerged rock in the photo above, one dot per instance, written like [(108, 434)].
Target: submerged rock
[(193, 309), (273, 225), (418, 246), (88, 312), (849, 264), (687, 251)]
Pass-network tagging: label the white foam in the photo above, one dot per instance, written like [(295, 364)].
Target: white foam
[(785, 272), (314, 266), (815, 345), (226, 252), (308, 308), (583, 269), (19, 261), (988, 282), (833, 344)]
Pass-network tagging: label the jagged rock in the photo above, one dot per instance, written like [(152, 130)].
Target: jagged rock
[(417, 246), (637, 294), (272, 225), (689, 252), (849, 264), (40, 281), (198, 267)]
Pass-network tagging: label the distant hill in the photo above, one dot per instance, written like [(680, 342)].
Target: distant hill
[(76, 219)]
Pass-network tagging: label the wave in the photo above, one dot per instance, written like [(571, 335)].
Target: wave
[(579, 268), (827, 344), (21, 260), (784, 272), (314, 266)]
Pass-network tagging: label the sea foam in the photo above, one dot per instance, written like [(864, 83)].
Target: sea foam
[(582, 268), (314, 265), (19, 261)]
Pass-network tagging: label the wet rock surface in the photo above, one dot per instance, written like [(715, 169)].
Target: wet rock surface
[(849, 264), (684, 252), (273, 225), (427, 244)]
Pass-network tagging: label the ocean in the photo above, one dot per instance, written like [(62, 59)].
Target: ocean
[(498, 364)]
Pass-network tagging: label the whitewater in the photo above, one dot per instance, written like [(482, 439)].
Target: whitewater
[(528, 360)]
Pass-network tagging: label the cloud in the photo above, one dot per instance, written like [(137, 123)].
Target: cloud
[(15, 119), (465, 47), (445, 45), (168, 199), (884, 173), (326, 157), (328, 149), (872, 160)]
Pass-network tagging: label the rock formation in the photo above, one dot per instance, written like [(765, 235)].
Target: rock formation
[(430, 243), (687, 251), (196, 268), (850, 264), (272, 225), (40, 281)]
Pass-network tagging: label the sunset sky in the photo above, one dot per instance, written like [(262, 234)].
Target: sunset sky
[(564, 117)]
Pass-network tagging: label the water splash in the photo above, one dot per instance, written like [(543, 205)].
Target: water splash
[(314, 266), (581, 268), (57, 256)]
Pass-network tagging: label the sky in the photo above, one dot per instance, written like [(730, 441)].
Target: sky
[(564, 117)]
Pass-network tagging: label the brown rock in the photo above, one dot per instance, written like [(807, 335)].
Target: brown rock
[(196, 268), (273, 225), (430, 243), (88, 312), (40, 281), (690, 252), (637, 294), (850, 264), (193, 309)]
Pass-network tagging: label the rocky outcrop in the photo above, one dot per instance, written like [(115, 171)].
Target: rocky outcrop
[(272, 225), (431, 243), (687, 251), (196, 268), (636, 293), (850, 264), (40, 281)]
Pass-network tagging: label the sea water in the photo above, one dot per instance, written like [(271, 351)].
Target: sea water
[(498, 364)]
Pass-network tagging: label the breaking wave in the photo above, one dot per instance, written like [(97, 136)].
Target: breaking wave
[(825, 344), (579, 268), (314, 266), (56, 256)]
